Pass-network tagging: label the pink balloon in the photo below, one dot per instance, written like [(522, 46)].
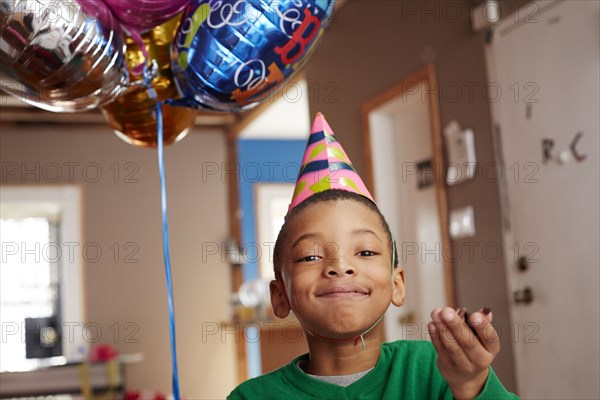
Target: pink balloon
[(142, 15), (98, 10)]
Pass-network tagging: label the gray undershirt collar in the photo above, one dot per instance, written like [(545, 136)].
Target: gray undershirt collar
[(339, 380)]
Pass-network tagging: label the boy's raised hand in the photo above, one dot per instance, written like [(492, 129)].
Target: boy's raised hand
[(463, 358)]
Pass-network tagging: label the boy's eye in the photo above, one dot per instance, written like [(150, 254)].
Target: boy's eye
[(309, 259), (366, 253)]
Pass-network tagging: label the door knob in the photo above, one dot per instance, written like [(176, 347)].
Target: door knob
[(409, 318), (523, 296), (522, 264)]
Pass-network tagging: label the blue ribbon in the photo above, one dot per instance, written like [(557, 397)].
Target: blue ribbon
[(163, 196)]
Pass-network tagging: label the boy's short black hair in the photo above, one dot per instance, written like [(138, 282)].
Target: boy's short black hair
[(328, 195)]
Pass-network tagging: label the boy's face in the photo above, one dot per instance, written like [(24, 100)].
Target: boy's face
[(337, 270)]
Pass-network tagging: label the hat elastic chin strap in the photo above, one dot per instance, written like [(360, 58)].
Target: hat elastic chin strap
[(355, 338)]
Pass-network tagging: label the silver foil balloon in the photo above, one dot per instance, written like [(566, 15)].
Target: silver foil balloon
[(55, 56)]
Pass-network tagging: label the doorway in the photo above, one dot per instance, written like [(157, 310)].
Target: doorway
[(403, 154)]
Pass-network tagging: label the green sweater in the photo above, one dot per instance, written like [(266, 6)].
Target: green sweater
[(406, 369)]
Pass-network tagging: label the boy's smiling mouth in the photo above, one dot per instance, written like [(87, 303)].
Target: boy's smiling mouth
[(343, 291)]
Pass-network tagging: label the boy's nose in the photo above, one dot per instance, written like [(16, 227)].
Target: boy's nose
[(339, 268)]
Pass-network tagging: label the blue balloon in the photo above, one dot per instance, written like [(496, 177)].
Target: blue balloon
[(228, 55)]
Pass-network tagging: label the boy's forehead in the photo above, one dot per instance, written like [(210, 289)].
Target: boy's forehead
[(332, 216)]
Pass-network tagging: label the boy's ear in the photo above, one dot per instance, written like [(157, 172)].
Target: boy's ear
[(399, 293), (279, 300)]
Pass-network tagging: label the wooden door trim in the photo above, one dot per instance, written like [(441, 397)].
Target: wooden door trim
[(237, 277), (232, 177), (425, 75)]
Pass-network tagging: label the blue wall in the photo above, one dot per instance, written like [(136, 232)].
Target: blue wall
[(262, 161)]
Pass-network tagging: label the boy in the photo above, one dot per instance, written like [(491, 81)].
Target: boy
[(336, 267)]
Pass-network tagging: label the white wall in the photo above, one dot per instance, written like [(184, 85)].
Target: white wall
[(128, 214)]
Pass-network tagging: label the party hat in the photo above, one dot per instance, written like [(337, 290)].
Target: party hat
[(325, 166)]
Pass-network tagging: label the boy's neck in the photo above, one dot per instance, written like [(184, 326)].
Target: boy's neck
[(345, 358)]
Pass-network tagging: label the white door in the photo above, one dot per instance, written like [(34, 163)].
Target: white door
[(547, 65)]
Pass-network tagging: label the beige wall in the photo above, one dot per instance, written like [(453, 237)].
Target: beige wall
[(121, 212), (370, 46)]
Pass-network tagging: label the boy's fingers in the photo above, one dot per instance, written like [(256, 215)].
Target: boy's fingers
[(443, 357), (488, 315), (435, 338), (451, 330), (434, 332), (473, 354), (456, 343), (486, 332)]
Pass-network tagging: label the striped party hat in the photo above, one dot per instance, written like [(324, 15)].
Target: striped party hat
[(325, 166)]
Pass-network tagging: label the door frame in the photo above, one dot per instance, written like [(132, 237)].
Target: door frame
[(425, 75), (232, 135)]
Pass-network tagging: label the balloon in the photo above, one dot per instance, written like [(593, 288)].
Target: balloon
[(55, 56), (142, 15), (138, 16), (230, 54), (132, 114)]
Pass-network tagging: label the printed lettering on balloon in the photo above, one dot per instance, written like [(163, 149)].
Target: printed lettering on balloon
[(249, 68), (262, 89), (237, 52), (230, 14), (188, 31), (305, 33), (291, 16)]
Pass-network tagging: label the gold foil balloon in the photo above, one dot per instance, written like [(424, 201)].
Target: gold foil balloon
[(133, 114), (56, 56)]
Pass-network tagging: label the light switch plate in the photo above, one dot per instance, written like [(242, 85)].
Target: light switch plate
[(461, 153), (462, 223)]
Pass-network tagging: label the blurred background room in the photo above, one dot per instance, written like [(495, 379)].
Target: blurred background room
[(475, 124)]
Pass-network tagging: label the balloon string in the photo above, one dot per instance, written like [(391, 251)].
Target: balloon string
[(163, 196), (167, 258)]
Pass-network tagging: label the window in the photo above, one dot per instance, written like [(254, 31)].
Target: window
[(28, 285), (40, 278)]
